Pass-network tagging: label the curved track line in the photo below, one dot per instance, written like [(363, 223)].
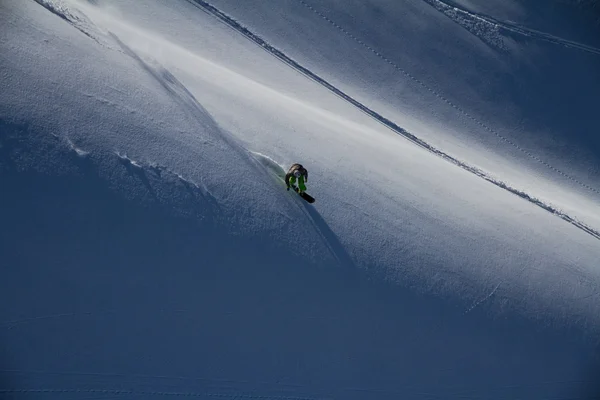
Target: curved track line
[(483, 299)]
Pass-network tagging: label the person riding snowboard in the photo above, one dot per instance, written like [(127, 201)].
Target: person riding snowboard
[(296, 173)]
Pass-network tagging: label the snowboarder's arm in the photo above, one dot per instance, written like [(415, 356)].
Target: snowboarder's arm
[(287, 179)]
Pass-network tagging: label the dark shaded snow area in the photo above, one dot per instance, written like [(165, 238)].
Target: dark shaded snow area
[(127, 294)]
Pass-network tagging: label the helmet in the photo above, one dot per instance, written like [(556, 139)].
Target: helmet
[(297, 173)]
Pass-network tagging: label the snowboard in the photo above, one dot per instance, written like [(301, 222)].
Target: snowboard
[(304, 195)]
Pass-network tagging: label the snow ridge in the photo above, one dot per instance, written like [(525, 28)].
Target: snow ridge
[(393, 126), (74, 17), (488, 32), (452, 11)]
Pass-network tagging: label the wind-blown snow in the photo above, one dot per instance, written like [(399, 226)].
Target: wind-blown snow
[(151, 249)]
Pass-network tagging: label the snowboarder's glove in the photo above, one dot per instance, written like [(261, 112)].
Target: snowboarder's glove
[(288, 189)]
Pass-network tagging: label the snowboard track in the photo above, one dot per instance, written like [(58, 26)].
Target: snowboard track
[(235, 25)]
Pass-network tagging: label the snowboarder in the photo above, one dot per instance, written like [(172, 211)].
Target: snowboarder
[(296, 173)]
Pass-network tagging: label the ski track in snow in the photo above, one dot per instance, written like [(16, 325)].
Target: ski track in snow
[(478, 302), (180, 93), (80, 152), (232, 23), (495, 24)]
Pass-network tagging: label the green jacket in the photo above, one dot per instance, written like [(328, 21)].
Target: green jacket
[(290, 179)]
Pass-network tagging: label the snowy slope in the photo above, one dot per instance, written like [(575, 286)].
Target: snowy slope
[(151, 250)]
